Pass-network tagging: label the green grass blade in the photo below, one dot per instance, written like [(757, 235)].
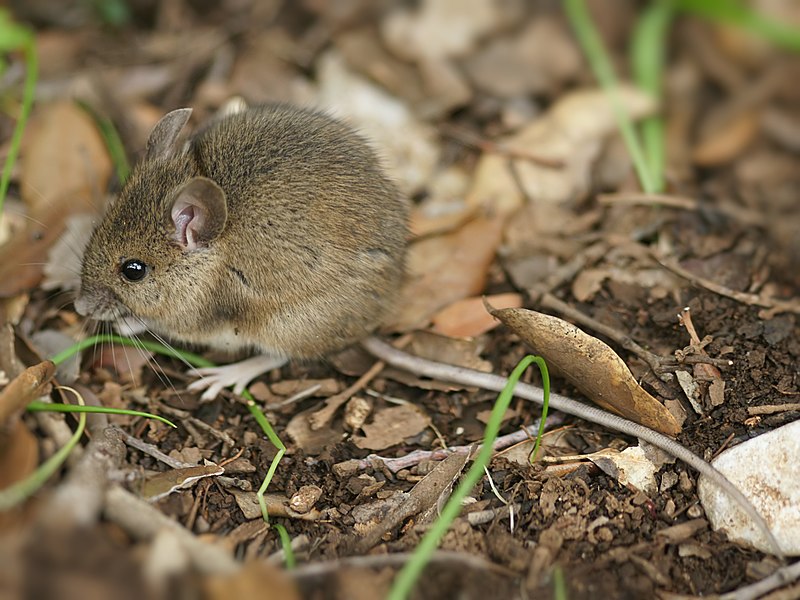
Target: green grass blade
[(114, 145), (37, 406), (17, 493), (266, 427), (193, 359), (196, 361), (545, 404), (410, 573), (736, 13), (601, 66), (648, 50), (28, 93), (286, 545)]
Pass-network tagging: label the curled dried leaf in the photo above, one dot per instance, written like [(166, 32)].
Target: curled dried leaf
[(590, 365), (26, 387)]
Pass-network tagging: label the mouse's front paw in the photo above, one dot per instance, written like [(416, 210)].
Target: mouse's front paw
[(215, 379)]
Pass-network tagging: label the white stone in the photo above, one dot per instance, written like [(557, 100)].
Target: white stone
[(767, 470)]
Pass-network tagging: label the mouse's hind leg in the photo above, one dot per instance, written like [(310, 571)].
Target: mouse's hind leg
[(215, 379)]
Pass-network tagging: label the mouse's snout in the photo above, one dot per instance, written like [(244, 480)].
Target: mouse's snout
[(83, 306), (99, 303)]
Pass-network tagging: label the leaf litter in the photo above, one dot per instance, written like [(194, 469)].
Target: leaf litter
[(488, 118)]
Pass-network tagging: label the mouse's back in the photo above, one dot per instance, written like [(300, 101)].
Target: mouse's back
[(280, 230)]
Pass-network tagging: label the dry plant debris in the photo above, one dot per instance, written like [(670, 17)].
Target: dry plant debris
[(487, 115)]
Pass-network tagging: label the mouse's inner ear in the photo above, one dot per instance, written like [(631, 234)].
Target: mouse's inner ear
[(161, 143), (198, 213)]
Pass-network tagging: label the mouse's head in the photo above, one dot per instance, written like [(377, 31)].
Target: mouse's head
[(152, 255)]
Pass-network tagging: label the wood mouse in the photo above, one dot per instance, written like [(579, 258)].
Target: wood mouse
[(272, 228), (275, 229)]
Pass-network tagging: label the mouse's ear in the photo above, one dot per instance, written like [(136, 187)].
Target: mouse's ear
[(161, 143), (199, 212)]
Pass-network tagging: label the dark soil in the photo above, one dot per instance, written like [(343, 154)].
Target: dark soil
[(579, 524)]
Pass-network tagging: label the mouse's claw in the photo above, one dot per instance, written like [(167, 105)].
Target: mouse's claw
[(215, 379)]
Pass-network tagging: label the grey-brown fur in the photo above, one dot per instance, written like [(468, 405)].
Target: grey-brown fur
[(311, 255)]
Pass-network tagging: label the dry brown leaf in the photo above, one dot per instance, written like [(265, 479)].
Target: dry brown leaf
[(727, 142), (19, 455), (630, 467), (242, 534), (311, 441), (23, 258), (453, 351), (573, 132), (65, 159), (442, 28), (537, 60), (63, 267), (364, 51), (590, 365), (26, 387), (163, 484), (587, 283), (447, 268), (391, 426), (425, 500), (409, 147), (257, 579), (65, 169), (290, 387), (469, 318), (423, 225)]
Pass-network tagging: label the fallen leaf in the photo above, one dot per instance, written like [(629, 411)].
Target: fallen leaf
[(19, 455), (29, 385), (444, 209), (469, 317), (537, 60), (630, 467), (426, 499), (446, 268), (590, 365), (408, 145), (587, 283), (23, 258), (278, 505), (127, 361), (163, 484), (364, 51), (572, 132), (65, 158), (391, 426), (257, 579), (49, 342), (291, 387), (65, 169), (453, 351), (311, 441), (691, 389), (244, 533), (727, 142), (442, 28), (64, 258)]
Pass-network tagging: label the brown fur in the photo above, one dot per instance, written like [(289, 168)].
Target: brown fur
[(311, 254)]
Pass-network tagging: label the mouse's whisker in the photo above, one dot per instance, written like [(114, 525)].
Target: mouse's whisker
[(62, 300), (166, 344), (158, 370)]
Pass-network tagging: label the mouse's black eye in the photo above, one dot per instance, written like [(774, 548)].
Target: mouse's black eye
[(133, 269)]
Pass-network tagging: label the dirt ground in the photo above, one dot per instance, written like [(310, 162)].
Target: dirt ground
[(490, 120)]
